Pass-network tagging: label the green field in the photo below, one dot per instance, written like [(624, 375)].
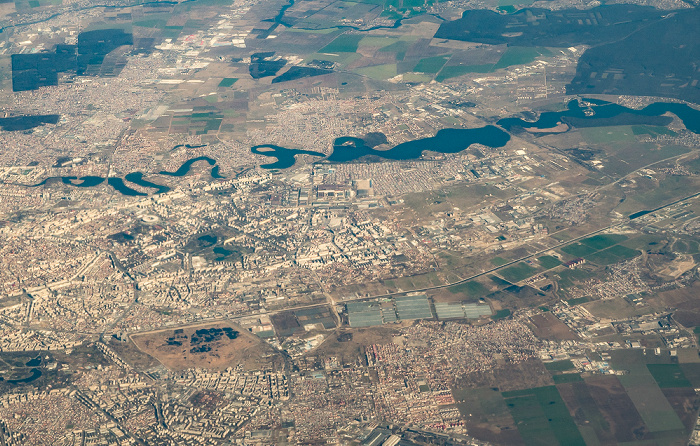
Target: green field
[(498, 261), (612, 255), (670, 188), (686, 246), (607, 135), (568, 276), (484, 405), (341, 58), (486, 399), (654, 408), (566, 378), (471, 289), (266, 334), (416, 77), (344, 43), (692, 373), (623, 252), (626, 156), (542, 417), (501, 314), (652, 130), (399, 48), (518, 272), (152, 23), (668, 375), (577, 301), (378, 41), (617, 307), (602, 241), (548, 262), (645, 242), (199, 123), (559, 366), (500, 282), (603, 258), (227, 82), (602, 249), (519, 55), (512, 56), (644, 392), (434, 279), (578, 250), (374, 2), (431, 65)]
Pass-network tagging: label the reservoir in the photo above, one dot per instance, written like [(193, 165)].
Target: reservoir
[(123, 189), (351, 149), (185, 168), (285, 157), (88, 181), (347, 149), (137, 178), (608, 114)]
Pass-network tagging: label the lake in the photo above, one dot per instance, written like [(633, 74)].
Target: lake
[(451, 140), (609, 114), (285, 157), (347, 149)]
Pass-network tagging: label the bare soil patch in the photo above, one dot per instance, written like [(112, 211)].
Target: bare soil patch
[(547, 326), (213, 346)]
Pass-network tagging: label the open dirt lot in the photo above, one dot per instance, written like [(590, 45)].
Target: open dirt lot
[(214, 346), (547, 326)]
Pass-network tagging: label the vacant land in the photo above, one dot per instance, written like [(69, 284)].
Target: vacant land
[(614, 308), (487, 415), (349, 344), (215, 346), (547, 326), (130, 353), (286, 323), (601, 403), (507, 377)]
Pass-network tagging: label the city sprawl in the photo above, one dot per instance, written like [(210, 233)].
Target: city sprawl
[(245, 222)]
